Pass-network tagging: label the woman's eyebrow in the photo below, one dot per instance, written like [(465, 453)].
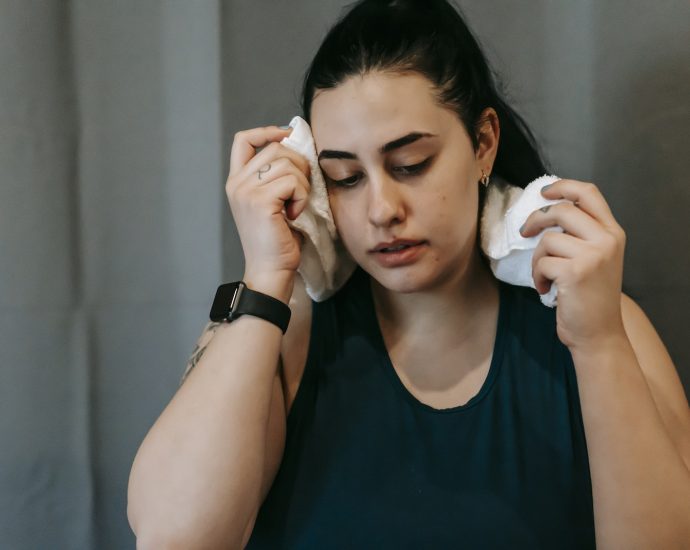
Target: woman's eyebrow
[(395, 144)]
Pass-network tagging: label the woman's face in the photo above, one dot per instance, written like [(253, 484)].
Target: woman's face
[(399, 167)]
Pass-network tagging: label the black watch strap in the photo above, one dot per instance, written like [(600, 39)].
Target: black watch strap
[(235, 299)]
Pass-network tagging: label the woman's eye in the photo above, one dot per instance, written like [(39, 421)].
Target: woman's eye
[(403, 170), (347, 182), (414, 169)]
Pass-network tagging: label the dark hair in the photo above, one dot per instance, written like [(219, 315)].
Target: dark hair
[(431, 38)]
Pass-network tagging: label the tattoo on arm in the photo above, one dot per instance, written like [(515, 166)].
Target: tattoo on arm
[(201, 345)]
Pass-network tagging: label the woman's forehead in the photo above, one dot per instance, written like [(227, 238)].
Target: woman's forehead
[(374, 90), (376, 109)]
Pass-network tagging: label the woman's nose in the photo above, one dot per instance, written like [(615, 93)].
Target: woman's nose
[(386, 205)]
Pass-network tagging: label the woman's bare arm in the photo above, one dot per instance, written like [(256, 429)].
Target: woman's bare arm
[(199, 476), (635, 417), (197, 479)]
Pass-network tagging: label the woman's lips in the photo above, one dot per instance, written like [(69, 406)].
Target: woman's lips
[(396, 258)]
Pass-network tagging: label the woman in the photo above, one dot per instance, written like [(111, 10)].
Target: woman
[(426, 404)]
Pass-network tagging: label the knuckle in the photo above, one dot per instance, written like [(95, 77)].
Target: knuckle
[(273, 147), (557, 208), (569, 205), (293, 158), (301, 189), (591, 188), (285, 164), (304, 188), (620, 234), (277, 165), (300, 167)]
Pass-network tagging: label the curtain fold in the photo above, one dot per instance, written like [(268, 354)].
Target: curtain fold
[(45, 476)]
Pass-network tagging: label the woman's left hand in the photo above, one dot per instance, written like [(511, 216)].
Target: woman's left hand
[(586, 263)]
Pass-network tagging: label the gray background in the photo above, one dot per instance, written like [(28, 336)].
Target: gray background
[(116, 120)]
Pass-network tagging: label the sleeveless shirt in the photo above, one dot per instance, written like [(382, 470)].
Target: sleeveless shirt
[(368, 465)]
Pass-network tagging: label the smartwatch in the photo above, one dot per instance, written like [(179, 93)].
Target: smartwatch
[(235, 299)]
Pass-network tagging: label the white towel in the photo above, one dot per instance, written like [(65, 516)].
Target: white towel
[(325, 265), (510, 254)]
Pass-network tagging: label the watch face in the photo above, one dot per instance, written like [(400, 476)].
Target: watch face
[(222, 303)]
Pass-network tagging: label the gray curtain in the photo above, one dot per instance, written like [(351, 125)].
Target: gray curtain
[(116, 120)]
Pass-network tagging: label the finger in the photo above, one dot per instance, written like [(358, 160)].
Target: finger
[(555, 243), (571, 218), (287, 194), (272, 154), (268, 172), (299, 201), (246, 141), (547, 270), (281, 168), (586, 196)]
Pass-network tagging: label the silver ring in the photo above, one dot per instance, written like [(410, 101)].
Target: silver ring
[(265, 168)]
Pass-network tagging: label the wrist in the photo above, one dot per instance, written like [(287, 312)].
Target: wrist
[(278, 285), (612, 345), (236, 299)]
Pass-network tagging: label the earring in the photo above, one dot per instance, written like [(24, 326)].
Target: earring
[(485, 179)]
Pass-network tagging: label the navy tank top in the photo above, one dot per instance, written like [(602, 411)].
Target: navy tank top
[(368, 465)]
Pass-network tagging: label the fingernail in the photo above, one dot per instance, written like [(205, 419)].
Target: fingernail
[(522, 228), (545, 208), (546, 187), (284, 127)]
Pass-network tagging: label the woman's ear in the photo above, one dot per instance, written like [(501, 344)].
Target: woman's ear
[(488, 132)]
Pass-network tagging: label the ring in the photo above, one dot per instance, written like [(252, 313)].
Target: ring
[(265, 168)]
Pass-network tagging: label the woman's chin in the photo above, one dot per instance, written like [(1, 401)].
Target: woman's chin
[(431, 275), (403, 280)]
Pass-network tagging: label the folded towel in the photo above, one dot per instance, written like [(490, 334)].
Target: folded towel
[(325, 265), (510, 254)]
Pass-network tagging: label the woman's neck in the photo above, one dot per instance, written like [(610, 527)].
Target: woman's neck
[(449, 314)]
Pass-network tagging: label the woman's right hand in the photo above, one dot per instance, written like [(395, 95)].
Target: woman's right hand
[(264, 189)]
